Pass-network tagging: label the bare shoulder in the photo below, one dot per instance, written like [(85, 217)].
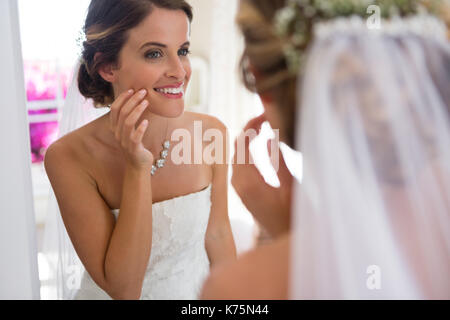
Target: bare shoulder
[(62, 148), (211, 126), (213, 133), (260, 274), (208, 121), (66, 152)]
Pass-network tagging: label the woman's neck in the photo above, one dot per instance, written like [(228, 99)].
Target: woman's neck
[(157, 132)]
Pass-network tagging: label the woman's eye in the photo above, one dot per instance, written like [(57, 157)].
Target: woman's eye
[(153, 54), (184, 52)]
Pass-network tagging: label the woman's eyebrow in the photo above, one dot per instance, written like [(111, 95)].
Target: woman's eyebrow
[(161, 44)]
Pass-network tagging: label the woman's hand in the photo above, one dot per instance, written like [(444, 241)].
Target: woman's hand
[(269, 206), (125, 112)]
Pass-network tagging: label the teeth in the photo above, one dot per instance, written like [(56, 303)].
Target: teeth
[(171, 90)]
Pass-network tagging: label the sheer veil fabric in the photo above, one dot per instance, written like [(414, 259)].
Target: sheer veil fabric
[(372, 214), (64, 268)]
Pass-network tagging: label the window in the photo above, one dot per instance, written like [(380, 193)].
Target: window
[(49, 29)]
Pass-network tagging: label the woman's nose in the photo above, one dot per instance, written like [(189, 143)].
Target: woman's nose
[(176, 69)]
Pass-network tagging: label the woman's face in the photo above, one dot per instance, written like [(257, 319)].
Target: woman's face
[(155, 58)]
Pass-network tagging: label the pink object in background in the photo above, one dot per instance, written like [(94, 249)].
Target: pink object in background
[(42, 81)]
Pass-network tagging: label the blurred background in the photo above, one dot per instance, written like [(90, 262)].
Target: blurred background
[(49, 40)]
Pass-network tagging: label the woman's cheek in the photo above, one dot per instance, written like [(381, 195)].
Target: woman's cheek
[(153, 98), (188, 73)]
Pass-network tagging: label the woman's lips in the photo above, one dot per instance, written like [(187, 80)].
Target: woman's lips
[(172, 95), (174, 91), (169, 86)]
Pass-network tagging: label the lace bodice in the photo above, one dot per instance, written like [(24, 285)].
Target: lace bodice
[(178, 262)]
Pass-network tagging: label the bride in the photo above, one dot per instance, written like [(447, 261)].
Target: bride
[(369, 109), (141, 225)]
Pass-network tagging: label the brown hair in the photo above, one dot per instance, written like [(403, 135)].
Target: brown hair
[(264, 52), (106, 29)]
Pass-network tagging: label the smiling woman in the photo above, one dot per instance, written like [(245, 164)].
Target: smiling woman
[(139, 233), (108, 46), (165, 55)]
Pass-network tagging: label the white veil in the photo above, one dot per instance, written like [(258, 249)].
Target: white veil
[(64, 269), (372, 215)]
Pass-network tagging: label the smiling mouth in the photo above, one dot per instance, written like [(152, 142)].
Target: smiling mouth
[(172, 93)]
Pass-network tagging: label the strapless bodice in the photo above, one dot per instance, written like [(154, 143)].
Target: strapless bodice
[(178, 262)]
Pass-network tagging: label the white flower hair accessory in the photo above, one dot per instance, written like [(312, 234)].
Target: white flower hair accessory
[(295, 23)]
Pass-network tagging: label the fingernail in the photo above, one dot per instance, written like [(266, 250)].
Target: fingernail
[(130, 91), (143, 92)]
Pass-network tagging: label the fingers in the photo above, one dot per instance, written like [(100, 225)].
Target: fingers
[(244, 171), (117, 104), (137, 135), (251, 130), (242, 148), (245, 176), (284, 175), (130, 122), (125, 110), (255, 123)]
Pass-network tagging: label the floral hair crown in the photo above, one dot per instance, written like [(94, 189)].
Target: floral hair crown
[(294, 23)]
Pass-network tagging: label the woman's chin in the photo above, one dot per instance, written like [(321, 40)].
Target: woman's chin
[(173, 111), (176, 114)]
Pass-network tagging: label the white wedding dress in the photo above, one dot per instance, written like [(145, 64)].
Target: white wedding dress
[(178, 262)]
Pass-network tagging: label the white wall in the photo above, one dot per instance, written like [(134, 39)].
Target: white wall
[(201, 28), (18, 257)]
